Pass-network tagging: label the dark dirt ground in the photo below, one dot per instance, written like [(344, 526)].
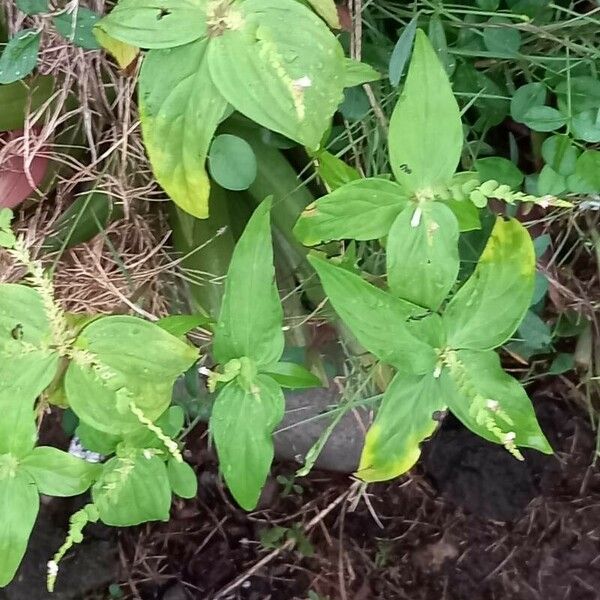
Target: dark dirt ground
[(470, 523)]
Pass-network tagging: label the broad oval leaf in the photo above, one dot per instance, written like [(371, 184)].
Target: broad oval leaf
[(488, 308), (24, 375), (404, 420), (156, 23), (22, 315), (422, 254), (376, 318), (251, 317), (264, 67), (19, 57), (77, 27), (242, 425), (232, 162), (180, 109), (144, 365), (20, 503), (182, 479), (426, 134), (358, 73), (362, 210), (133, 489), (484, 398), (58, 473)]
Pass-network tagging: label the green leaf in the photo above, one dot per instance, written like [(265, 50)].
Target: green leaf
[(422, 254), (561, 364), (232, 162), (19, 505), (328, 11), (501, 170), (358, 73), (180, 109), (19, 99), (466, 213), (182, 479), (403, 421), (581, 93), (362, 210), (488, 308), (97, 441), (267, 71), (156, 23), (478, 378), (526, 97), (501, 40), (401, 52), (560, 154), (586, 126), (77, 27), (376, 318), (144, 365), (251, 318), (22, 315), (58, 473), (544, 118), (24, 375), (293, 376), (180, 325), (334, 172), (425, 129), (551, 182), (242, 425), (133, 489), (587, 172), (32, 7), (19, 57), (437, 37), (89, 215)]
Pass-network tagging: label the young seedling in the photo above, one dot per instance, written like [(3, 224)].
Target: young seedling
[(116, 373), (248, 343), (423, 211), (444, 361)]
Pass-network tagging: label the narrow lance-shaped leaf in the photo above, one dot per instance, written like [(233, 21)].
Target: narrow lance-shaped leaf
[(328, 11), (263, 66), (425, 130), (156, 23), (422, 254), (376, 318), (362, 210), (180, 109), (490, 402), (58, 473), (489, 307), (242, 424), (251, 318), (404, 420), (19, 505)]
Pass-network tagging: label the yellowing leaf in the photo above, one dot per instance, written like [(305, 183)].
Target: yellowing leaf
[(276, 62), (180, 109), (489, 307), (328, 10), (122, 52), (403, 421)]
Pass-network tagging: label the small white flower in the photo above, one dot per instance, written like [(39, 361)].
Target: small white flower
[(52, 568), (204, 371), (545, 201), (303, 82), (509, 437), (438, 371), (148, 454)]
